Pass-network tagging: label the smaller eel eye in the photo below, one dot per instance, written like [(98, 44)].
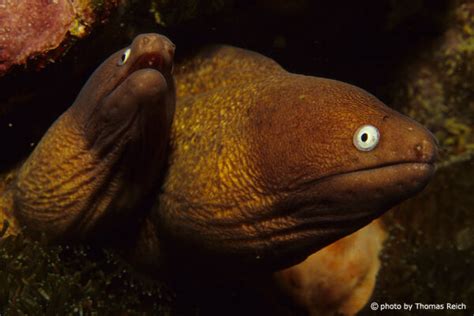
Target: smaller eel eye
[(124, 57), (366, 138)]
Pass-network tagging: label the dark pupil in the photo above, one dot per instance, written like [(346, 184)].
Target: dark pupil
[(364, 137), (123, 57)]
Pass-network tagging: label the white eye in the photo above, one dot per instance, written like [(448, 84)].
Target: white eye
[(366, 138), (124, 57)]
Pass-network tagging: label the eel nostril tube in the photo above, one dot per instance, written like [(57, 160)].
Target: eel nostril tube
[(419, 150), (426, 150), (145, 40)]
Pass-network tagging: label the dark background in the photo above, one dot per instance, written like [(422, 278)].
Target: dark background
[(365, 43)]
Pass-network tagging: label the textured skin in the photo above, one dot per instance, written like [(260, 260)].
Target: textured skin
[(99, 161), (7, 219), (263, 169), (262, 172)]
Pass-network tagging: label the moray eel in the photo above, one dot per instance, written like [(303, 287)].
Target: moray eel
[(266, 166), (97, 163)]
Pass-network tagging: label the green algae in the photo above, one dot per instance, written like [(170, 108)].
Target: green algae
[(437, 88), (430, 249), (36, 279)]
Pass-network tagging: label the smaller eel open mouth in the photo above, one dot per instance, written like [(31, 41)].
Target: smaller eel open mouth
[(151, 60)]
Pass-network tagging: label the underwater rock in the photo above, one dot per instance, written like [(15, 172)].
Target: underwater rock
[(174, 12), (338, 279), (74, 280), (429, 250), (430, 247), (437, 88), (42, 31)]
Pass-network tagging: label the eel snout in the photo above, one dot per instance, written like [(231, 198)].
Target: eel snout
[(156, 51)]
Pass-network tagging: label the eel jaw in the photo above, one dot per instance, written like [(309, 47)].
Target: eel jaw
[(327, 210), (339, 205), (299, 223), (152, 60)]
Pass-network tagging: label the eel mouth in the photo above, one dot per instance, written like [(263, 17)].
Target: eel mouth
[(424, 170), (150, 60), (337, 206), (333, 207), (311, 218), (364, 192), (422, 167)]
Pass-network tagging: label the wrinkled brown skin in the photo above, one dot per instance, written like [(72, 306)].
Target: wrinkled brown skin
[(96, 165), (263, 171)]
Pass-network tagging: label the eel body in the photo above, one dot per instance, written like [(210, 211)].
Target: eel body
[(266, 167), (101, 158)]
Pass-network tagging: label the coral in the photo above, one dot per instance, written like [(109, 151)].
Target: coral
[(44, 30)]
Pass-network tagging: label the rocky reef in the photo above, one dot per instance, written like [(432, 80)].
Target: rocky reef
[(39, 32), (39, 280), (430, 248), (437, 87), (417, 56), (431, 245)]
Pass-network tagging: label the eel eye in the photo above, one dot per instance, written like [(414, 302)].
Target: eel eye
[(124, 57), (366, 138)]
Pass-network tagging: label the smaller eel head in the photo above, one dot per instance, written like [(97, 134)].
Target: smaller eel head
[(103, 156), (130, 86)]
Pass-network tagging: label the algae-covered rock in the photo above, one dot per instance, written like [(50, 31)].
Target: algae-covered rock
[(73, 280), (430, 250), (430, 247), (437, 88), (44, 30)]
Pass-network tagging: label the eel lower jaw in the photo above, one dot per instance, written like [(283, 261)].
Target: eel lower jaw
[(335, 207), (310, 219), (396, 180), (367, 193), (339, 205), (150, 60)]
